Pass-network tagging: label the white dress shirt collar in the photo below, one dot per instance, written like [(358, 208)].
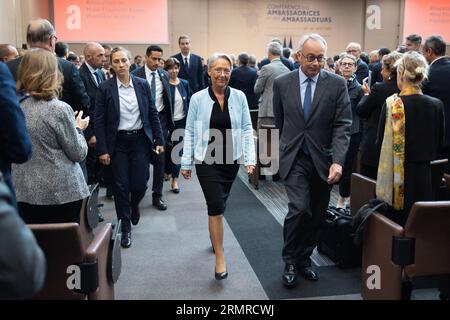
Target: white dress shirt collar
[(120, 84), (188, 57), (438, 58), (304, 77)]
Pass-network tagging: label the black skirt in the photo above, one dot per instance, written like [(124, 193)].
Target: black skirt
[(216, 181)]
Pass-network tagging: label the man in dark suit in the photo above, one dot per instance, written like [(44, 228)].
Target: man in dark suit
[(92, 76), (244, 79), (159, 84), (127, 129), (313, 113), (376, 67), (438, 83), (191, 67), (41, 34), (15, 142), (362, 69)]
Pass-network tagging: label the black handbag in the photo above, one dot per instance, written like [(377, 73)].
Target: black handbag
[(336, 240)]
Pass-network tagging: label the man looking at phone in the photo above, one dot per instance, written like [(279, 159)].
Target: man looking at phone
[(362, 69)]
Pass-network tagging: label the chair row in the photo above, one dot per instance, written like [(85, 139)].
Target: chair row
[(394, 255), (81, 264)]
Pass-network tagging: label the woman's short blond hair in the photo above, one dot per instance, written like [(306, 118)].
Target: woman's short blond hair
[(39, 75), (413, 66)]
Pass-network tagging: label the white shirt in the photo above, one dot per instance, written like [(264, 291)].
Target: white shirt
[(178, 108), (159, 102), (188, 59), (130, 116)]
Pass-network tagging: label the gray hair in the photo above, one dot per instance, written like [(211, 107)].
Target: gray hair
[(216, 56), (39, 31), (354, 45), (348, 56), (275, 48), (413, 66), (436, 44), (315, 37)]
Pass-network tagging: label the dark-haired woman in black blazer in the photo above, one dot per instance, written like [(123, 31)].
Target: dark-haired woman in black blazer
[(369, 108), (180, 94)]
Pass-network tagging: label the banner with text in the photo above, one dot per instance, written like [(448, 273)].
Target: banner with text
[(427, 18), (112, 21)]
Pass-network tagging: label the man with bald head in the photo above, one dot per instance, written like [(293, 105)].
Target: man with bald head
[(41, 34), (8, 52), (92, 75)]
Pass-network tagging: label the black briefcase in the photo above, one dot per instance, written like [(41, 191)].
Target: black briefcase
[(336, 240)]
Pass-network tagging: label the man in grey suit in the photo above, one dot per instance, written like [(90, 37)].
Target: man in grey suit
[(264, 83), (313, 113)]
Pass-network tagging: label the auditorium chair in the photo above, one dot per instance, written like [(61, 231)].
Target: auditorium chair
[(265, 160), (363, 188), (437, 177), (99, 263), (89, 215), (421, 248), (68, 244)]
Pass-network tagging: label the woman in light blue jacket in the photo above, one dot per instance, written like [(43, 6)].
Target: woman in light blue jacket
[(218, 136)]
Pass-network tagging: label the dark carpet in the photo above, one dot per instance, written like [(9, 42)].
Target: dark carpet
[(261, 239)]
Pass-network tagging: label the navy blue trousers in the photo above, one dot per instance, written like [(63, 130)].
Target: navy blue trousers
[(130, 170)]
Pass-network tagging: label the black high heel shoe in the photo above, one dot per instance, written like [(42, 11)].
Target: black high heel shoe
[(220, 275)]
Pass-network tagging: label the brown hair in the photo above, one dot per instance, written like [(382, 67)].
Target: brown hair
[(39, 75), (389, 62), (171, 62)]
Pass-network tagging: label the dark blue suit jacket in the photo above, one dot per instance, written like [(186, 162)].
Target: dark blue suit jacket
[(73, 90), (376, 73), (288, 63), (185, 92), (362, 71), (107, 114), (438, 86), (193, 74), (91, 90), (164, 76), (244, 79), (15, 142)]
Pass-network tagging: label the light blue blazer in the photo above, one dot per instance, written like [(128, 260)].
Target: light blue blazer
[(197, 128)]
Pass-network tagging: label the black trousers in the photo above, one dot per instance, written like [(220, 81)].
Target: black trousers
[(130, 171), (349, 165), (308, 198), (369, 171), (60, 213), (159, 160)]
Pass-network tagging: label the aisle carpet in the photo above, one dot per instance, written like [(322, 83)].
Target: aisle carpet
[(261, 238)]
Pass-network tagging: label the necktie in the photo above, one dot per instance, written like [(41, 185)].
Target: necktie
[(153, 87), (186, 63), (307, 109), (97, 77), (308, 100)]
